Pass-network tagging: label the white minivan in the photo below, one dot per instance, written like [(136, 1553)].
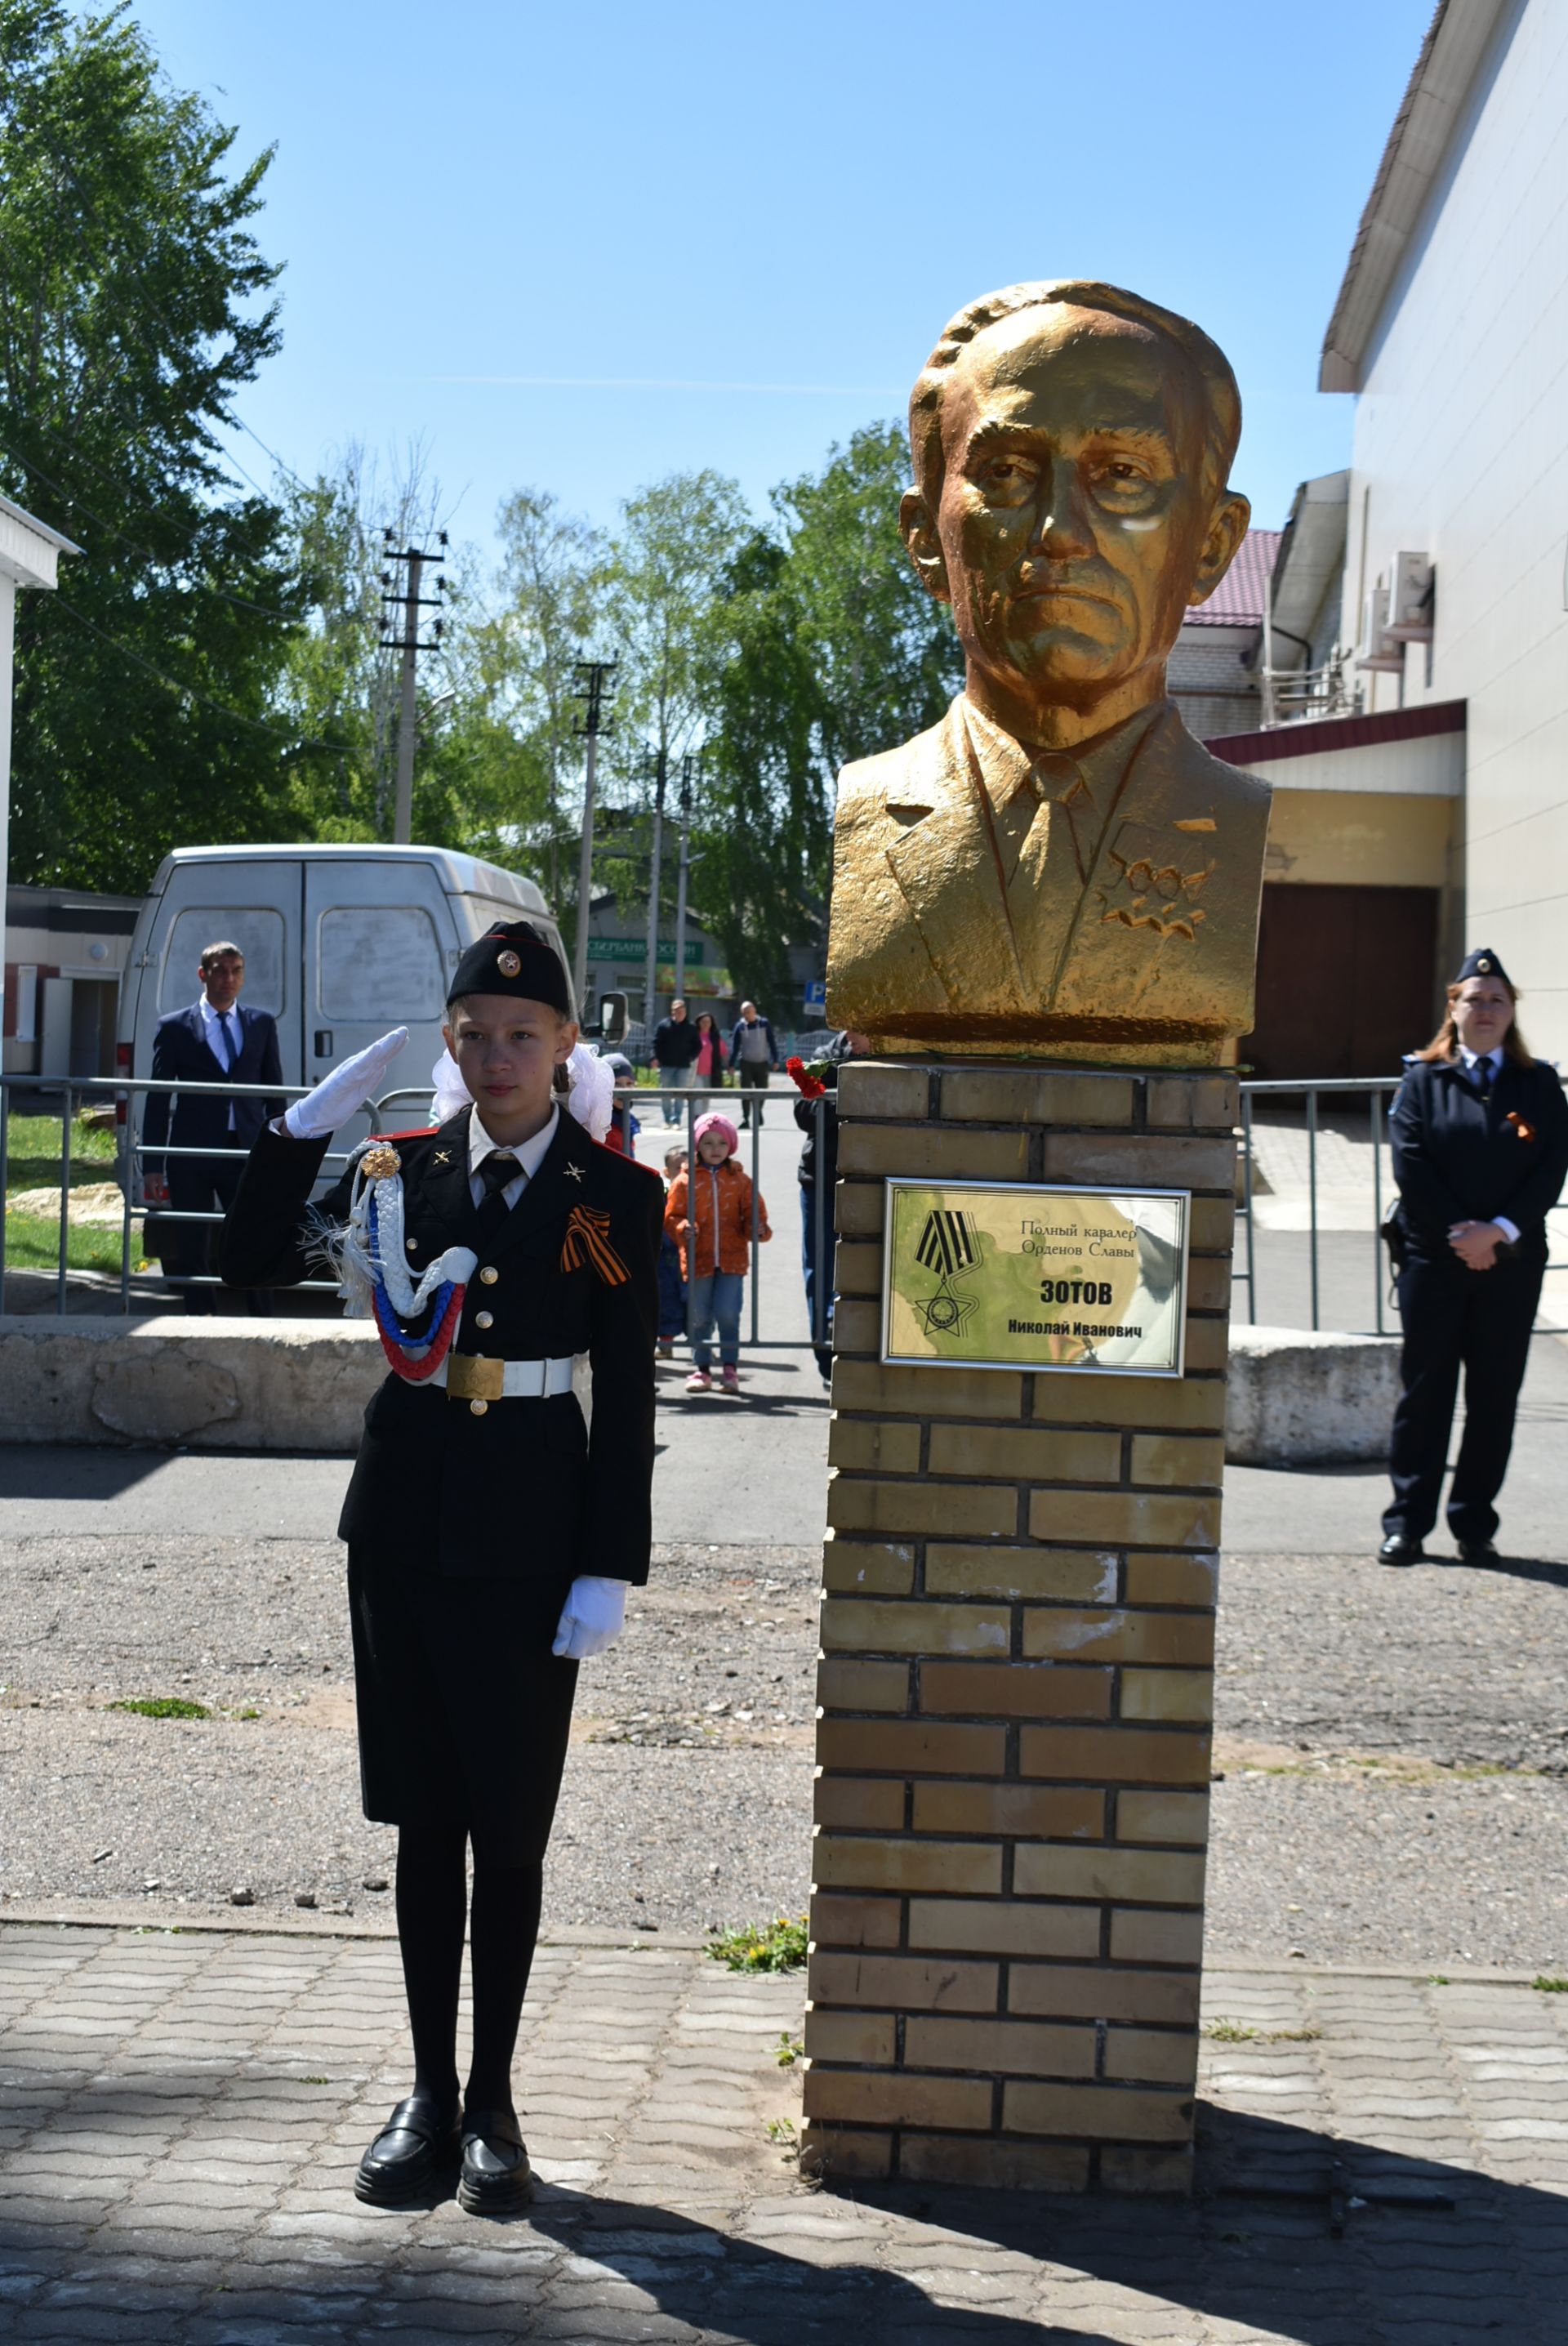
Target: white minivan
[(340, 943)]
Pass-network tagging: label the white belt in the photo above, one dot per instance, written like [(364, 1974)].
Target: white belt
[(473, 1377)]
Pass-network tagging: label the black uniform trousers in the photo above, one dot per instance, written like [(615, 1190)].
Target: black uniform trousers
[(1479, 1321)]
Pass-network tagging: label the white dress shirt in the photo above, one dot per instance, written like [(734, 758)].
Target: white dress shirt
[(223, 1042), (1486, 1067), (530, 1155)]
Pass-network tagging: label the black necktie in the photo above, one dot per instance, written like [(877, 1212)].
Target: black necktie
[(495, 1172)]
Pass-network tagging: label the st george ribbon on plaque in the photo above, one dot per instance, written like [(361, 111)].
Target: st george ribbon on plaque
[(1041, 1278)]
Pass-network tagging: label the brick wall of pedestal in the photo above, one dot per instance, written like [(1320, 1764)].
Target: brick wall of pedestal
[(1012, 1797)]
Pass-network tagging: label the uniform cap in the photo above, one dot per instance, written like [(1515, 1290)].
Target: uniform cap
[(513, 958), (1482, 963)]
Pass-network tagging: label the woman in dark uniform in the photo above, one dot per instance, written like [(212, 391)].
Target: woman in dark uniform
[(491, 1536), (1480, 1135)]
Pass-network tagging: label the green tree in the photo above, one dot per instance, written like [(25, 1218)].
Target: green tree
[(134, 305), (835, 651), (659, 591)]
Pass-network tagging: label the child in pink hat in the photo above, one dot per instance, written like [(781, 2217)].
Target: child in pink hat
[(709, 1215)]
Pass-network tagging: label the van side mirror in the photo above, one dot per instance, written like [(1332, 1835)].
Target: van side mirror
[(613, 1019)]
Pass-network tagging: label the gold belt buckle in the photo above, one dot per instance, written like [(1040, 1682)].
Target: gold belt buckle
[(471, 1377)]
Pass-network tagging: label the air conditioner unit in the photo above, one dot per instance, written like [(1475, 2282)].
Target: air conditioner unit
[(1377, 652), (1411, 600)]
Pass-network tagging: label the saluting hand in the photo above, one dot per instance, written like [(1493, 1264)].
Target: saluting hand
[(346, 1091), (1476, 1244)]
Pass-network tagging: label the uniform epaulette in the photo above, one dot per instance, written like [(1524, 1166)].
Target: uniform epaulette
[(415, 1132), (623, 1157)]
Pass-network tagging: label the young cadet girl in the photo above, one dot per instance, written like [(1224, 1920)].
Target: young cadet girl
[(708, 1213), (491, 1536)]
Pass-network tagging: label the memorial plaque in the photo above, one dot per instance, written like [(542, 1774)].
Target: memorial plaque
[(988, 1276)]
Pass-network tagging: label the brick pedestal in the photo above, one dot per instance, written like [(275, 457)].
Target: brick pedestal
[(1016, 1687)]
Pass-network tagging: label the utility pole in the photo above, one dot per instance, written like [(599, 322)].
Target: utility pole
[(408, 598), (651, 981), (689, 765), (593, 675)]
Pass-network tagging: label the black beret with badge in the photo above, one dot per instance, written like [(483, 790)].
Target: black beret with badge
[(1482, 963), (513, 958)]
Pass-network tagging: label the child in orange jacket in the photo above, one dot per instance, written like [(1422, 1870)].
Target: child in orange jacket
[(709, 1216)]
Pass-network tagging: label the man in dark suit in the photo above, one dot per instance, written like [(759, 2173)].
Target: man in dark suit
[(213, 1038)]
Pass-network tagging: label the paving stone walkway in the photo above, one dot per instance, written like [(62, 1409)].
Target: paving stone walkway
[(1382, 2159)]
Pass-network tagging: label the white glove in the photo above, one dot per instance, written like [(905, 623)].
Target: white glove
[(592, 1618), (346, 1091)]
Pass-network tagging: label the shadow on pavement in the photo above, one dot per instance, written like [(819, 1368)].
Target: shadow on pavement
[(58, 1472), (1293, 2234)]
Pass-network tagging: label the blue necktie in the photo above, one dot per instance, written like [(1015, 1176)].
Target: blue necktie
[(230, 1040)]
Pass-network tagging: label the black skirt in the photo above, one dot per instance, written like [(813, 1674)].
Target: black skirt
[(465, 1714)]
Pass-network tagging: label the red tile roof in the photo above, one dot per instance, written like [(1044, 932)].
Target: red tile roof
[(1238, 600), (1312, 736)]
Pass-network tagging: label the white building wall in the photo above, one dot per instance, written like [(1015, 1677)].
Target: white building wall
[(1461, 454)]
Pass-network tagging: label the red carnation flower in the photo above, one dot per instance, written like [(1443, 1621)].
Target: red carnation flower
[(805, 1082)]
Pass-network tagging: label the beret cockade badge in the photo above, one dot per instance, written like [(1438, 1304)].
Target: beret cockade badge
[(508, 962)]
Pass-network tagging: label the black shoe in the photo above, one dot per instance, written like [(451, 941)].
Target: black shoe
[(1398, 1549), (497, 2179), (1477, 1552), (418, 2145)]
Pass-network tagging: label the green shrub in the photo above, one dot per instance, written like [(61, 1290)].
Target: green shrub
[(778, 1946)]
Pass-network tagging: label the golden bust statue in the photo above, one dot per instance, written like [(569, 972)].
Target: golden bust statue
[(1058, 866)]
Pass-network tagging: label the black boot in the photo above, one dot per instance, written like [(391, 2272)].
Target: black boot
[(418, 2146), (497, 2179)]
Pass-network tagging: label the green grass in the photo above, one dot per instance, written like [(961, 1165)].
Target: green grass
[(1550, 1984), (161, 1705), (778, 1946), (34, 1244), (33, 1162), (33, 1152)]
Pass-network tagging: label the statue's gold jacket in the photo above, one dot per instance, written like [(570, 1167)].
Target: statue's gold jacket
[(1129, 937)]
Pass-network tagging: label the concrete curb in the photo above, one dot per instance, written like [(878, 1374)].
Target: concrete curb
[(1299, 1397), (245, 1922), (1296, 1399), (224, 1384), (82, 1914)]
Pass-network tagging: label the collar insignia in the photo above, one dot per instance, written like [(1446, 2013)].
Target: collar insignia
[(442, 1157), (573, 1172)]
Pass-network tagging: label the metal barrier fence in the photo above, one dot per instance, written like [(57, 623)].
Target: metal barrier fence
[(129, 1095), (1375, 1091)]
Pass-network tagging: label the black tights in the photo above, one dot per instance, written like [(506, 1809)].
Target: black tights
[(431, 1903)]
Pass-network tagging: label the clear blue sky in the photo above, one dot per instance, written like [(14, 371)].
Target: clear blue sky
[(583, 247)]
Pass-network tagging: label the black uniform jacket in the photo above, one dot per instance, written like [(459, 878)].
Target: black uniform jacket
[(522, 1488), (1457, 1159)]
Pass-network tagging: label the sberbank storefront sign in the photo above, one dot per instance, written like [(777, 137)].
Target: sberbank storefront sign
[(636, 949)]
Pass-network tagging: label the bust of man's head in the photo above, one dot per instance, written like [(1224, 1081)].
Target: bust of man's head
[(1072, 447)]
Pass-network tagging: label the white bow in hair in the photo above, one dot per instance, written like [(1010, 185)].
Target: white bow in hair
[(590, 1099)]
